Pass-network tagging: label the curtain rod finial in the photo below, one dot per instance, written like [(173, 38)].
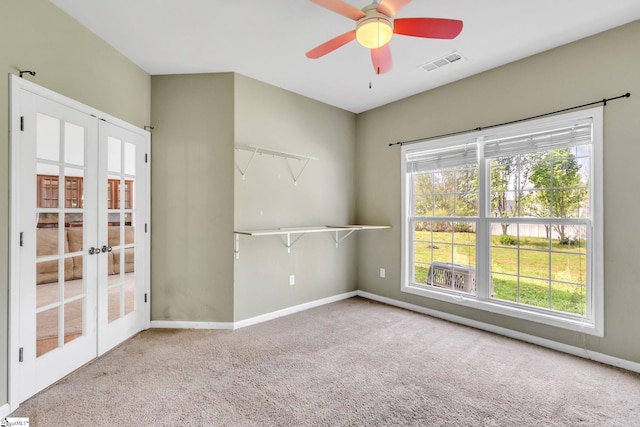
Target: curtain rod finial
[(32, 73)]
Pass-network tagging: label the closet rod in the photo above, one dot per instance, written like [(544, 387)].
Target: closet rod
[(602, 101)]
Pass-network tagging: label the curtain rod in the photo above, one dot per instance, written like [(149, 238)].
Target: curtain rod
[(602, 101)]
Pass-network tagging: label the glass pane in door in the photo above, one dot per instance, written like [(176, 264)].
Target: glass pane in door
[(73, 316), (129, 293), (129, 286), (74, 225), (49, 246), (74, 144), (60, 288), (129, 159), (73, 188), (114, 160), (48, 138), (47, 337), (121, 198), (114, 303)]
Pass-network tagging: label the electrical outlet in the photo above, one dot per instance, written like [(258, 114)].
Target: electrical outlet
[(292, 280), (383, 273)]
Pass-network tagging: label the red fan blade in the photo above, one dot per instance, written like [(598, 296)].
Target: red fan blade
[(342, 8), (432, 28), (381, 59), (391, 7), (331, 45)]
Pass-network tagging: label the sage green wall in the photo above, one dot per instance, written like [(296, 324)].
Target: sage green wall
[(598, 67), (36, 35), (197, 202), (268, 198), (192, 197)]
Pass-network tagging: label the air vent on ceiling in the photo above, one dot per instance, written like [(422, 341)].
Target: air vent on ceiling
[(441, 62)]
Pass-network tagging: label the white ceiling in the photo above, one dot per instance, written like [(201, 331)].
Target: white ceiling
[(267, 40)]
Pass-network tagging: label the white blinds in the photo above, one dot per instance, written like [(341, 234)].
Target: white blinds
[(560, 135), (567, 136), (457, 155)]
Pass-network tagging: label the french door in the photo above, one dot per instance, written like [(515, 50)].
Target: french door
[(121, 248), (80, 274)]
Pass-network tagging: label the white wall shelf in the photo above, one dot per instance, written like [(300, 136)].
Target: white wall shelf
[(254, 149), (298, 232)]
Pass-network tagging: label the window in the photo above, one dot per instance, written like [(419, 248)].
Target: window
[(509, 220)]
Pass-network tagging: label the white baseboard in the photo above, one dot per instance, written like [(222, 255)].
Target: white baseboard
[(5, 410), (291, 310), (543, 342), (614, 361), (170, 324)]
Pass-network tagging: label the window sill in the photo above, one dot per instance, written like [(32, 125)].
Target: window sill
[(547, 318)]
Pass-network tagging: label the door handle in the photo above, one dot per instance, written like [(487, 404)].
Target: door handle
[(93, 250), (106, 248)]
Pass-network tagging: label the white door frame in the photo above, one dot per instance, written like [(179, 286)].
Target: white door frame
[(16, 85)]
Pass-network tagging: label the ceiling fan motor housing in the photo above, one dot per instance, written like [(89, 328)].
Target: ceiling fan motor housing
[(375, 29)]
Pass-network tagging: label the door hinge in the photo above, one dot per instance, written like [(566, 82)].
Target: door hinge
[(21, 354), (22, 123), (22, 238), (146, 157), (145, 297), (145, 228)]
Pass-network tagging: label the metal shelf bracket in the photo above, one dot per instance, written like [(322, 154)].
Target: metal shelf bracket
[(254, 149)]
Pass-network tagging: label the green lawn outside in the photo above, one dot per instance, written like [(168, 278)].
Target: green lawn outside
[(539, 286)]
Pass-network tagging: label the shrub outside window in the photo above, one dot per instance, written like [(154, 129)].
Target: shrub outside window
[(509, 220)]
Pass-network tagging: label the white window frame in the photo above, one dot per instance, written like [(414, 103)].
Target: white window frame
[(593, 322)]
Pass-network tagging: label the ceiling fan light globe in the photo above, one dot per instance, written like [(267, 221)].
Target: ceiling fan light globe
[(374, 32)]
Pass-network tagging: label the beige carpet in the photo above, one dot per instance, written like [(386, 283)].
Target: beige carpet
[(350, 363)]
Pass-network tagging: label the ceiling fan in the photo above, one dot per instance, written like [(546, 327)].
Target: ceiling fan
[(375, 26)]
